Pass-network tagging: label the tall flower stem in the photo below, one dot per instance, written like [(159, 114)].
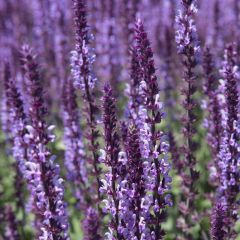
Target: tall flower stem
[(112, 149), (42, 174), (81, 63), (188, 49), (157, 146), (17, 119)]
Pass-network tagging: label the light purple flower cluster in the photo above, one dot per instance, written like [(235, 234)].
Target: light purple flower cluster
[(74, 152), (119, 168), (17, 119), (91, 225), (156, 150), (213, 121), (218, 221), (138, 186), (229, 147), (82, 74), (82, 57), (124, 181), (15, 134), (11, 231), (41, 173), (188, 48), (111, 157)]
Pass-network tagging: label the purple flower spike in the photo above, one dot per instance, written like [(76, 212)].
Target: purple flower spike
[(112, 150), (153, 145), (82, 57), (135, 86), (11, 231), (229, 149), (42, 174), (136, 192), (218, 220), (74, 153), (213, 121), (17, 120), (82, 61), (91, 225), (187, 43)]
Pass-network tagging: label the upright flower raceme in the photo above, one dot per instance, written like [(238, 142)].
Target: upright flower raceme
[(188, 48), (213, 121), (229, 148), (11, 231), (5, 120), (218, 222), (135, 93), (91, 225), (134, 200), (42, 174), (74, 153), (154, 147), (82, 57), (111, 157), (82, 63), (17, 119), (111, 48)]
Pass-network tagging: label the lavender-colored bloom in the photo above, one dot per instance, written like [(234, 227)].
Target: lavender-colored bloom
[(188, 47), (156, 149), (6, 105), (4, 116), (42, 174), (82, 57), (213, 121), (109, 48), (74, 153), (91, 225), (229, 149), (11, 231), (59, 14), (218, 220), (129, 11), (111, 159), (186, 38), (83, 79), (135, 93), (16, 119), (134, 217)]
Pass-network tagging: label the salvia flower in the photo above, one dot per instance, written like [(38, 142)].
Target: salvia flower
[(111, 159), (186, 35), (83, 79), (91, 225), (136, 98), (42, 174), (213, 120), (74, 152), (11, 231), (16, 118), (229, 149), (187, 44), (218, 220), (155, 147), (132, 205), (82, 57)]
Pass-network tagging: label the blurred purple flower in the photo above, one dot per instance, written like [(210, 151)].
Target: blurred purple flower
[(218, 220)]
